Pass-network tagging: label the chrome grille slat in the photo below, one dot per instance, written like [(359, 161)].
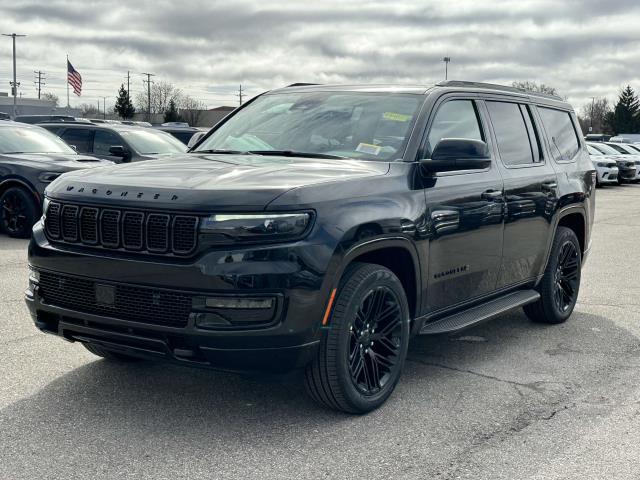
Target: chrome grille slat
[(122, 229)]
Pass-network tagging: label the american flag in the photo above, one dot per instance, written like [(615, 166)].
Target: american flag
[(74, 79)]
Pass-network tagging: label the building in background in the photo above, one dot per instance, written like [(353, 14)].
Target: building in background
[(34, 106)]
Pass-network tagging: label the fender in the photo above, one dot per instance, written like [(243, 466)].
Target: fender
[(21, 181), (563, 212), (336, 272)]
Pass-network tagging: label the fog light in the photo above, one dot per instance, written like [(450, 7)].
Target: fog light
[(239, 303), (34, 275)]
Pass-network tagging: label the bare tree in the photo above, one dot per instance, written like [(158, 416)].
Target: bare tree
[(534, 87), (594, 114), (191, 110), (52, 97), (161, 94), (89, 110)]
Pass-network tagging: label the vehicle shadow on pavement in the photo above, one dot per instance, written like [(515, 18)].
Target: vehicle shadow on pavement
[(139, 411)]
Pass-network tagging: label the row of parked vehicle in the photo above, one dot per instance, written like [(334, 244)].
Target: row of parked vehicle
[(615, 162)]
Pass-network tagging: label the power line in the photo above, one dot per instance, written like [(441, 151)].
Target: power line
[(39, 81), (240, 94), (148, 80)]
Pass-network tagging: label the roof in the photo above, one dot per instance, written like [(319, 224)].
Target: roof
[(96, 126), (423, 89)]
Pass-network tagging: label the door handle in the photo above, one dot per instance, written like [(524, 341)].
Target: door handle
[(491, 195)]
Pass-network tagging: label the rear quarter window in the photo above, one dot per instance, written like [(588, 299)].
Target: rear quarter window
[(561, 133)]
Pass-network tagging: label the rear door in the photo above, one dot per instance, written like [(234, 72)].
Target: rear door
[(530, 186), (464, 213)]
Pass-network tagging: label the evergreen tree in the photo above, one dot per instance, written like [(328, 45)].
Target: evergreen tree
[(124, 108), (172, 115), (625, 117)]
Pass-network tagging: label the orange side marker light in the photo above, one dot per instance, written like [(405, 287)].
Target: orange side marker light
[(329, 305)]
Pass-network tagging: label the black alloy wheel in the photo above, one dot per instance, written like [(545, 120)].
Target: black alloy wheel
[(364, 345), (17, 212), (375, 340), (566, 277), (560, 283)]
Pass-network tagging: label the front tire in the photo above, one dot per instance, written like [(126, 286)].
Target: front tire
[(18, 212), (560, 284), (362, 353)]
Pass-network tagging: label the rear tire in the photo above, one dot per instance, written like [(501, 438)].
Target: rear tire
[(18, 212), (560, 284), (362, 353), (111, 356)]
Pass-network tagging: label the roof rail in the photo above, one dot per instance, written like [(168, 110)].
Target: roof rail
[(302, 84), (494, 86)]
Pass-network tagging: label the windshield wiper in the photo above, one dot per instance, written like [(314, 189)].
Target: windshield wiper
[(293, 153), (217, 150)]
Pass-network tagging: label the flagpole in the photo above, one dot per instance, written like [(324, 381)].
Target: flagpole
[(68, 106)]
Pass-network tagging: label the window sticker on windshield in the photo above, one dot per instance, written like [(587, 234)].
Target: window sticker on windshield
[(396, 117), (368, 148)]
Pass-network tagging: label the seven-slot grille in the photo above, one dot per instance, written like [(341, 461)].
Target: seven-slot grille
[(138, 304), (148, 232)]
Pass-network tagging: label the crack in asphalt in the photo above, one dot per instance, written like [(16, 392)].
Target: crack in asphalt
[(535, 386)]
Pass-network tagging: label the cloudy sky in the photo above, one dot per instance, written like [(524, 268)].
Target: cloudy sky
[(584, 48)]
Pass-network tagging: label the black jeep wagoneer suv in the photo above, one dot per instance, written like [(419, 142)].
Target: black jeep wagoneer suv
[(319, 228)]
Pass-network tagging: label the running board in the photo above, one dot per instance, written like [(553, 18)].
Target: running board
[(480, 313)]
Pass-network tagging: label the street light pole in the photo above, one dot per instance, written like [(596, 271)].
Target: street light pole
[(14, 84), (104, 107), (593, 99), (446, 61)]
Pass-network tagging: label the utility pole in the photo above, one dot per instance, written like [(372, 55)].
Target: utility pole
[(240, 94), (40, 80), (14, 84), (104, 107), (446, 61), (593, 100), (148, 80), (128, 93)]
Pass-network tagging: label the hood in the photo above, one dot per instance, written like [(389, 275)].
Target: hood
[(60, 162), (200, 181)]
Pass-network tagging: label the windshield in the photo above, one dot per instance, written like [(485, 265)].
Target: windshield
[(370, 126), (148, 142), (605, 149), (31, 140), (619, 149)]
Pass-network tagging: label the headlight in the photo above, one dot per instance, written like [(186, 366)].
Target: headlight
[(48, 177), (225, 228)]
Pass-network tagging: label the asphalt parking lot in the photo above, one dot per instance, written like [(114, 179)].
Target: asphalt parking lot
[(506, 400)]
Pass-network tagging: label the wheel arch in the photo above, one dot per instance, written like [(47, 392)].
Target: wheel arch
[(575, 218), (399, 255), (9, 182)]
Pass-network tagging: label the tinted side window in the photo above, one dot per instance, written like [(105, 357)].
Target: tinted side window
[(455, 119), (104, 140), (563, 139), (511, 133), (81, 138)]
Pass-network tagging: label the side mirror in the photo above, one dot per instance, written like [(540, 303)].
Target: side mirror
[(454, 154), (195, 138), (118, 151), (74, 147)]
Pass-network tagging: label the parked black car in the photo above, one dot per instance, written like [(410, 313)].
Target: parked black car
[(319, 228), (4, 116), (34, 119), (118, 143), (183, 134), (30, 159)]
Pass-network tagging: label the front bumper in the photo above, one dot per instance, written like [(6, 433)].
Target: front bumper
[(285, 272), (607, 175)]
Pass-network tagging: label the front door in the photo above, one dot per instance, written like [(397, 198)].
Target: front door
[(464, 213)]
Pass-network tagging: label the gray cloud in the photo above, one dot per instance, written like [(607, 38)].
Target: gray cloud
[(582, 47)]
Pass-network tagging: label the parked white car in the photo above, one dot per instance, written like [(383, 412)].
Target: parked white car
[(629, 151), (606, 166)]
